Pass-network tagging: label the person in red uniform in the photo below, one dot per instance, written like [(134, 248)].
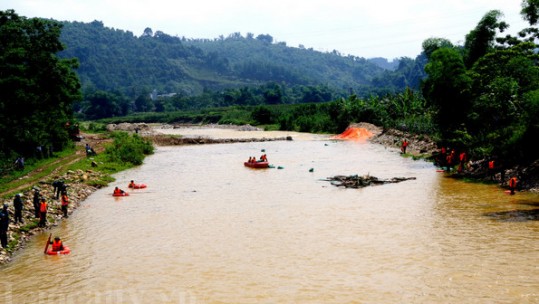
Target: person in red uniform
[(513, 184), (491, 167), (462, 161), (118, 191), (43, 213), (65, 203), (403, 146), (57, 244)]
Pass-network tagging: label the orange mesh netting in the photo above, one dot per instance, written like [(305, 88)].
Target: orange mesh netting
[(351, 133)]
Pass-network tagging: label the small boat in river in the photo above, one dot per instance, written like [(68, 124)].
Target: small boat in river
[(257, 164)]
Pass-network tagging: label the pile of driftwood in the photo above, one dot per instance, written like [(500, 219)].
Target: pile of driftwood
[(356, 181)]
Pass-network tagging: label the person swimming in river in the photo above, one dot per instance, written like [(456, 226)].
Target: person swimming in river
[(118, 191)]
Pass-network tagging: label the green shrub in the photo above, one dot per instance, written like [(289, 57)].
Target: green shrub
[(128, 148)]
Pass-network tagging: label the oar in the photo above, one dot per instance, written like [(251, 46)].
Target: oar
[(47, 246)]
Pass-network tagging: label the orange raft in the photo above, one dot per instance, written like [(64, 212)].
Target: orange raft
[(66, 250), (256, 165), (137, 186), (121, 194)]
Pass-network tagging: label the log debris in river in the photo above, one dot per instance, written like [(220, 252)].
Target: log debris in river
[(356, 181)]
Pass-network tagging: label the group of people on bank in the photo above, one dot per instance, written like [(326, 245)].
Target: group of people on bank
[(41, 209), (449, 158)]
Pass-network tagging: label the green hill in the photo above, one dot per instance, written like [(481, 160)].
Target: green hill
[(117, 60)]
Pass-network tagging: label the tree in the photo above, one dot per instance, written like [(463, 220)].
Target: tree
[(143, 103), (530, 11), (481, 39), (448, 89), (432, 44), (103, 104), (37, 88)]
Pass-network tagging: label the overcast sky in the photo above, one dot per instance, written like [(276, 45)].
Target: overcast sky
[(373, 28)]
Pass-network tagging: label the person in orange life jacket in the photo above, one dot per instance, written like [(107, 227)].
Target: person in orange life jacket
[(131, 184), (43, 213), (462, 160), (263, 158), (118, 191), (491, 168), (513, 184), (65, 203), (57, 244), (449, 159), (403, 146)]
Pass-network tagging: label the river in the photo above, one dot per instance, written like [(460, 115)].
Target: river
[(209, 230)]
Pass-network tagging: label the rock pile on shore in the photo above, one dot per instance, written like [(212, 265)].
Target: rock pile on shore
[(167, 140)]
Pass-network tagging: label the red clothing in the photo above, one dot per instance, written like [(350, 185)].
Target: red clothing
[(65, 200), (57, 245), (513, 182), (43, 207)]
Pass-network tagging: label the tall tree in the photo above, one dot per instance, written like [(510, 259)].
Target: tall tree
[(37, 88), (448, 89), (481, 39)]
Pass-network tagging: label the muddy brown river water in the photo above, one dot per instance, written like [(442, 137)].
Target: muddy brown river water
[(209, 230)]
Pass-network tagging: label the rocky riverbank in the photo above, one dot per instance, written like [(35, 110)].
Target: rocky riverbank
[(19, 233), (422, 146), (168, 140)]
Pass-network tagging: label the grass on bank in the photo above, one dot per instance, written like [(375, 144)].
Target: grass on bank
[(39, 169), (125, 152)]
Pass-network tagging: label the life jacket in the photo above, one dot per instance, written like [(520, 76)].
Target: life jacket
[(462, 156), (513, 182), (405, 144), (57, 245), (131, 185), (43, 207), (117, 191), (65, 200), (491, 164)]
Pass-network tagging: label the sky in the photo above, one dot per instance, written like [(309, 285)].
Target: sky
[(374, 28)]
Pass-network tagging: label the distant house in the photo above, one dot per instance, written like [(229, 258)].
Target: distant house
[(154, 96)]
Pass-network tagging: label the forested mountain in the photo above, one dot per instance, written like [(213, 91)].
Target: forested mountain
[(117, 60)]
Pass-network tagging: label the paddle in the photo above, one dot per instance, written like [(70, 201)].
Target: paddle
[(47, 246)]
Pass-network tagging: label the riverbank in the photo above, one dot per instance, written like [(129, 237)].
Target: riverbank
[(422, 146), (78, 190)]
